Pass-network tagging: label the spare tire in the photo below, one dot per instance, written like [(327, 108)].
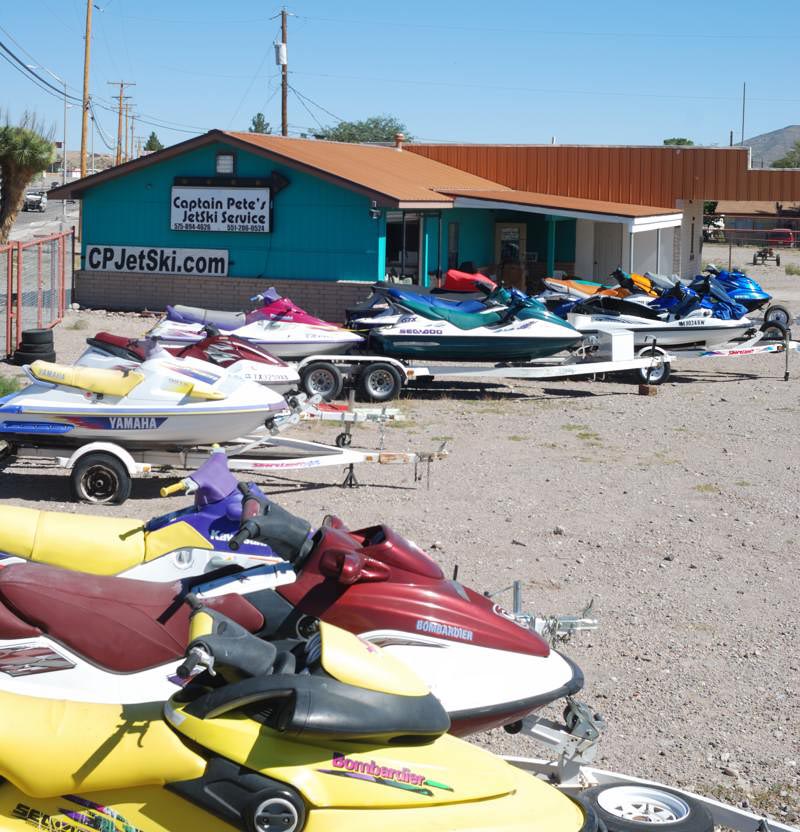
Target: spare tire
[(23, 357), (37, 336), (36, 349)]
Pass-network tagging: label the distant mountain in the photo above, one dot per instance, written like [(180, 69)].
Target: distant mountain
[(768, 147)]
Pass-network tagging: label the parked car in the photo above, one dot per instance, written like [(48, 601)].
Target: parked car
[(35, 201), (781, 237)]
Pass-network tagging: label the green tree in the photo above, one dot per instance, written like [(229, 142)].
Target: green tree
[(790, 160), (25, 150), (709, 207), (153, 143), (373, 129), (679, 141), (259, 124)]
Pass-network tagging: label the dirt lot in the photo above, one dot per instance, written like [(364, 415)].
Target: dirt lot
[(677, 513)]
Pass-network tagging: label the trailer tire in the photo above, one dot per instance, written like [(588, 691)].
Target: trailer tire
[(655, 375), (379, 382), (634, 807), (101, 479), (777, 259), (321, 378), (777, 314), (773, 331)]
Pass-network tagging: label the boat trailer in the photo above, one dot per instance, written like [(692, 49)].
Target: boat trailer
[(103, 471)]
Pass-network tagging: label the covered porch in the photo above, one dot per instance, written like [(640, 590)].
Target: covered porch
[(595, 237)]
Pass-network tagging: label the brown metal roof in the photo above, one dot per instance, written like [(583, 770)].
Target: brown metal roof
[(386, 174), (566, 203), (638, 175), (401, 176)]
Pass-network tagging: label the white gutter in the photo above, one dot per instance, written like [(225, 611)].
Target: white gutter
[(633, 224)]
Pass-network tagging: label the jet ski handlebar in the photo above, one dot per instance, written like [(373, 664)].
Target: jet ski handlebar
[(287, 535), (218, 641)]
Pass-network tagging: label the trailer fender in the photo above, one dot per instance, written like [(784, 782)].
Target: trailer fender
[(133, 468)]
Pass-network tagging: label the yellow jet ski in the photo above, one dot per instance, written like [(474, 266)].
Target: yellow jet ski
[(329, 735)]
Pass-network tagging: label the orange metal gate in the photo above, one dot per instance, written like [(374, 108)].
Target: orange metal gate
[(34, 279)]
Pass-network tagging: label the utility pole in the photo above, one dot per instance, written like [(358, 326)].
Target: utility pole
[(127, 114), (93, 162), (133, 121), (86, 52), (744, 99), (120, 138), (284, 78)]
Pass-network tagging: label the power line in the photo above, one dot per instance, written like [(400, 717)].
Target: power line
[(543, 90), (32, 80), (306, 107), (106, 141), (28, 70), (318, 106), (249, 87), (537, 32)]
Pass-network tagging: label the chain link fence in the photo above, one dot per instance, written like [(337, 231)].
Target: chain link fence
[(35, 278)]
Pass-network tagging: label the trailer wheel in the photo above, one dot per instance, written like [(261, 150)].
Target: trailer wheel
[(379, 382), (773, 331), (634, 808), (777, 259), (101, 479), (653, 375), (777, 314), (321, 378)]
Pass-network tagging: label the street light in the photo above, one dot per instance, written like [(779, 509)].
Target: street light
[(64, 145)]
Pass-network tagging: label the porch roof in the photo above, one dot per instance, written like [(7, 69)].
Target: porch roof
[(635, 217)]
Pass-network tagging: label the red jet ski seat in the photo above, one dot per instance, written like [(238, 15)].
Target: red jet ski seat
[(119, 624)]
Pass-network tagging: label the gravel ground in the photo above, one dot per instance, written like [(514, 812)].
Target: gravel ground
[(677, 513)]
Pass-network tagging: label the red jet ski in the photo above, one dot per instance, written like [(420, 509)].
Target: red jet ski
[(244, 357), (119, 640)]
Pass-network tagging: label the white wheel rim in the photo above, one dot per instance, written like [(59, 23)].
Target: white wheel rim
[(381, 382), (643, 804), (321, 382), (780, 317)]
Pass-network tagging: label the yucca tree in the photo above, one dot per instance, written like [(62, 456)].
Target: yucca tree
[(25, 150)]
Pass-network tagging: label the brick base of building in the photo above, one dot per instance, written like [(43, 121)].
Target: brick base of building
[(137, 292)]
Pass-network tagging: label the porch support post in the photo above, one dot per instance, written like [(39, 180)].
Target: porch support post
[(630, 250), (551, 245), (658, 251), (381, 232), (403, 250), (439, 251)]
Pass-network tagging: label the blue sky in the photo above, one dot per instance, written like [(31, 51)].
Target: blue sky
[(453, 70)]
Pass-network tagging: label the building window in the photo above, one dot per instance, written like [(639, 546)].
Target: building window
[(225, 164), (452, 245)]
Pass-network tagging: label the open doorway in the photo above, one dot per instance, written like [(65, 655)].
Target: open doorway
[(403, 246)]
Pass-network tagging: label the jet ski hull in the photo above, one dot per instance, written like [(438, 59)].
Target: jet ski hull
[(163, 410), (485, 348), (482, 688), (688, 333), (284, 340)]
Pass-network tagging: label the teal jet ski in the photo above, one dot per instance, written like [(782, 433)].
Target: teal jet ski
[(506, 326)]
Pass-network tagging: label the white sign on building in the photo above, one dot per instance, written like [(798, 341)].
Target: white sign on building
[(201, 208), (154, 260)]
